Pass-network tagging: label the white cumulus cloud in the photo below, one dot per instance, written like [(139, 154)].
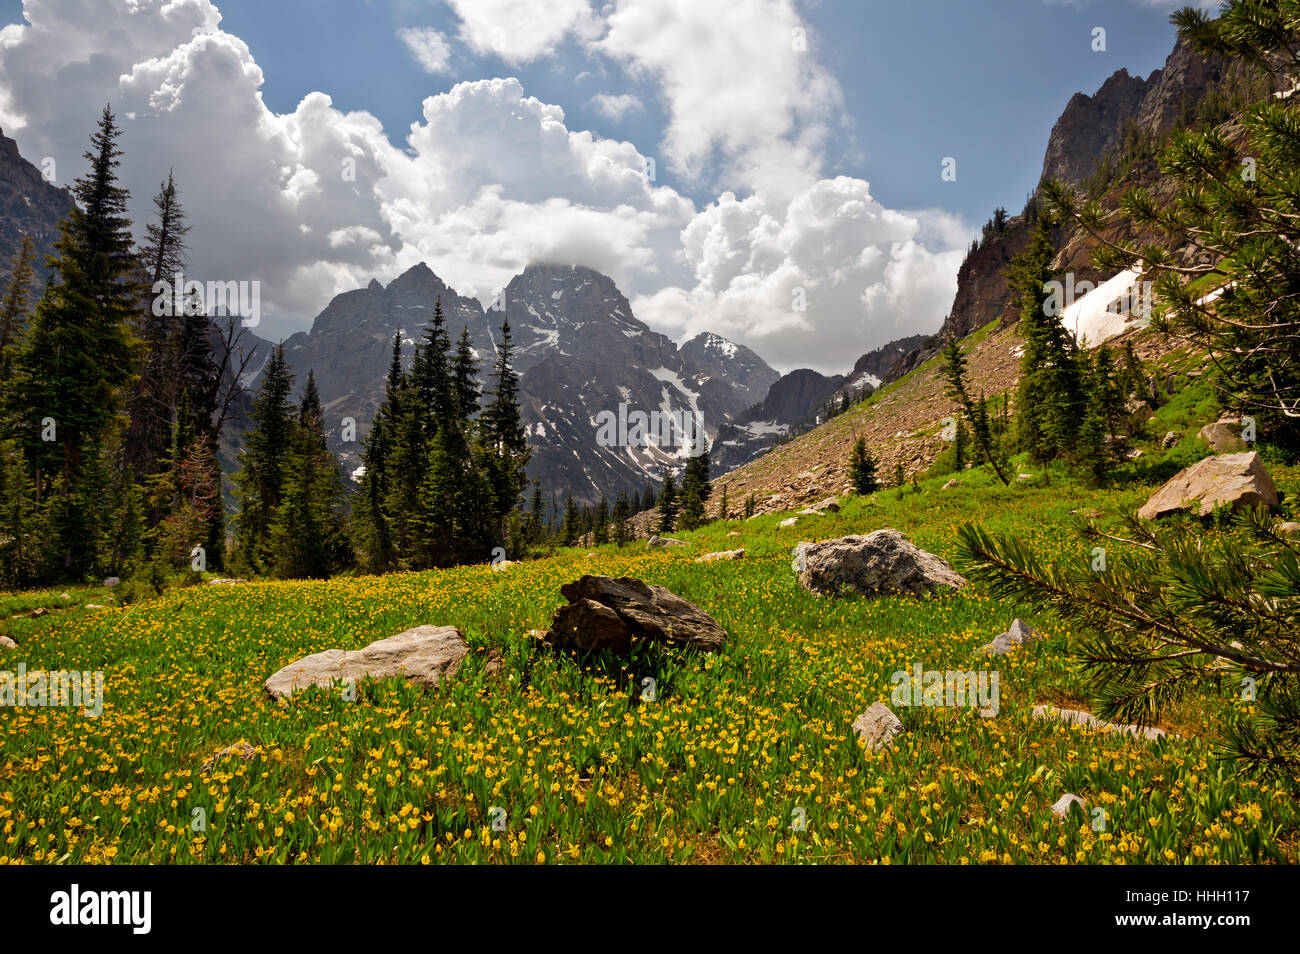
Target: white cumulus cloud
[(429, 47)]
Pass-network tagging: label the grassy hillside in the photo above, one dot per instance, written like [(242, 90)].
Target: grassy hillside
[(733, 749), (902, 423)]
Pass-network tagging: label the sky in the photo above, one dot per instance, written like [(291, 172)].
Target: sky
[(769, 170)]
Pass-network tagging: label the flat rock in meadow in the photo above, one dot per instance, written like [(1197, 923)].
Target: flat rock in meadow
[(1238, 480), (7, 643), (613, 614), (1087, 719), (880, 563), (424, 655), (877, 727), (738, 554), (654, 543)]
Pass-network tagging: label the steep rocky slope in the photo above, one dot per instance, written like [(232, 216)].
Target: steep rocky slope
[(28, 206)]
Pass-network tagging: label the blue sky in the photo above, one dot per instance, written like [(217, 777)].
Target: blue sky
[(780, 166)]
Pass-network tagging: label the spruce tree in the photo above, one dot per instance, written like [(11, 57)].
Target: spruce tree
[(13, 310), (600, 529), (668, 504), (465, 377), (78, 359), (263, 462), (622, 513), (862, 468), (572, 522)]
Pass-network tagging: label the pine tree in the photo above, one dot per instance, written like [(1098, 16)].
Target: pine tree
[(465, 377), (155, 397), (862, 468), (13, 310), (668, 505), (695, 490), (503, 431), (954, 370), (1051, 394), (622, 513), (78, 359), (600, 528), (263, 463), (572, 522)]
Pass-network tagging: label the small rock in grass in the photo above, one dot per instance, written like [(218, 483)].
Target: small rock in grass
[(1090, 721), (240, 750), (7, 643), (654, 543), (877, 726), (1062, 807), (951, 484), (39, 612), (112, 581), (789, 521)]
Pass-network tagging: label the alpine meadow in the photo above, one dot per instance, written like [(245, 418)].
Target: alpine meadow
[(392, 471)]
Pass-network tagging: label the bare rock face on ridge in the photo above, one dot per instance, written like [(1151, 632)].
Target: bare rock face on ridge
[(877, 564), (607, 613)]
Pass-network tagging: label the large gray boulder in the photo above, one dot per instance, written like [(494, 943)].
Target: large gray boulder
[(425, 655), (614, 614), (879, 563), (1238, 480)]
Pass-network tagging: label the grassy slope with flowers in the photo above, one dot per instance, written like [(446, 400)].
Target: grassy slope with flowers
[(711, 771)]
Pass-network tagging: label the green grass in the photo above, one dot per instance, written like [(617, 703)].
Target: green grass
[(734, 747)]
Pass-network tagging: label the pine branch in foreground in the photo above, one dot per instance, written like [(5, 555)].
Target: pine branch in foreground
[(1164, 613)]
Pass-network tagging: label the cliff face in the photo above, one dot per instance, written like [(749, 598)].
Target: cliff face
[(28, 206), (1090, 129), (1092, 125)]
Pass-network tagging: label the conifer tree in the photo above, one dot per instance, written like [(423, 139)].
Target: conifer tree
[(78, 358), (862, 468), (622, 513), (668, 504), (155, 396), (465, 377), (954, 370), (572, 522), (263, 463), (600, 528), (13, 310)]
